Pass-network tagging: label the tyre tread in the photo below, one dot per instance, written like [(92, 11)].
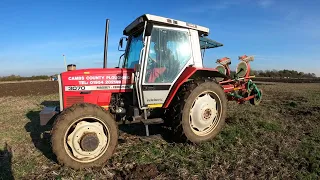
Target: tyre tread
[(62, 119), (177, 105)]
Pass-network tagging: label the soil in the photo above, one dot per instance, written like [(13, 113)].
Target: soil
[(277, 139), (29, 88), (287, 80), (145, 171)]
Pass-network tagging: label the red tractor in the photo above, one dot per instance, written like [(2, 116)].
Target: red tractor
[(161, 79)]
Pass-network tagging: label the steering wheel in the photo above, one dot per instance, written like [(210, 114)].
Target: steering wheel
[(152, 62), (151, 59)]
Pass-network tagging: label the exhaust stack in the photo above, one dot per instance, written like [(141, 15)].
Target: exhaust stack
[(71, 67), (106, 44)]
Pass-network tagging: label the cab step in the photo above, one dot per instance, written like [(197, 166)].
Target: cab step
[(152, 121), (148, 122)]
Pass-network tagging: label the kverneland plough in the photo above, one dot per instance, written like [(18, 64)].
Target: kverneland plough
[(239, 87)]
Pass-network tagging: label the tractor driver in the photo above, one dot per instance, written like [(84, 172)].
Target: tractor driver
[(154, 69), (163, 68)]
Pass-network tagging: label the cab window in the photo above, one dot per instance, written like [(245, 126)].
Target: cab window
[(133, 52), (169, 52)]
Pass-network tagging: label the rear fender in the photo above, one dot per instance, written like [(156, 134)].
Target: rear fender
[(191, 73)]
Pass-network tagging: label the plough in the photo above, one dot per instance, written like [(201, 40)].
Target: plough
[(240, 86)]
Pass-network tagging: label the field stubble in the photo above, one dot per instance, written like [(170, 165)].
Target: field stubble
[(279, 139)]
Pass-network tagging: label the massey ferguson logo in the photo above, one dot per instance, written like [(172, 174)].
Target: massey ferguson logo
[(154, 100)]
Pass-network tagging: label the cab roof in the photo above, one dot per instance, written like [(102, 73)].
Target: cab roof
[(164, 21)]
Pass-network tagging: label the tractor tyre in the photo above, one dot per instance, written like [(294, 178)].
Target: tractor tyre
[(198, 111), (84, 136)]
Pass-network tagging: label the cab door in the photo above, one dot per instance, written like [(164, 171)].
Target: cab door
[(168, 53)]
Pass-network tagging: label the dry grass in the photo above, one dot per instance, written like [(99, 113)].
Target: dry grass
[(279, 139)]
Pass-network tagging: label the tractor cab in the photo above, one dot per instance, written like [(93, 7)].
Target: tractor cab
[(160, 50)]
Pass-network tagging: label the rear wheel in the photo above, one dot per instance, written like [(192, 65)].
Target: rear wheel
[(84, 136), (199, 111)]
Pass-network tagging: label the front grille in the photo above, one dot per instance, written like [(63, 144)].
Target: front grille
[(74, 99)]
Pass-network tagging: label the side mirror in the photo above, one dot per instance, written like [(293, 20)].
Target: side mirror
[(148, 29), (120, 60), (121, 44)]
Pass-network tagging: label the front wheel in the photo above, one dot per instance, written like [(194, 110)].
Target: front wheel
[(203, 111), (84, 136)]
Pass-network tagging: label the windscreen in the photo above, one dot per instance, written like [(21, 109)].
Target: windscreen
[(133, 52)]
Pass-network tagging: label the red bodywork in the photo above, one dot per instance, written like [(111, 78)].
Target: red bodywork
[(90, 79), (97, 85), (186, 74), (227, 84), (94, 85)]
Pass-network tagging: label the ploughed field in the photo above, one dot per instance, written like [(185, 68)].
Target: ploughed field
[(288, 80), (28, 88), (279, 139)]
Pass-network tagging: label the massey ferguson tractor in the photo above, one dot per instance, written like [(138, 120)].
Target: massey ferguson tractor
[(160, 79)]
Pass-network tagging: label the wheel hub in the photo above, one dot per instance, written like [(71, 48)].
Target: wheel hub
[(87, 140), (207, 114), (203, 113)]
